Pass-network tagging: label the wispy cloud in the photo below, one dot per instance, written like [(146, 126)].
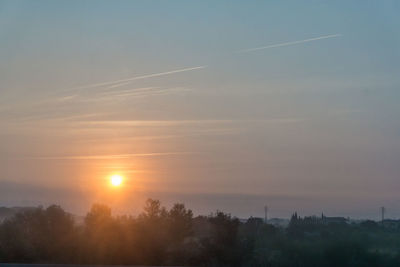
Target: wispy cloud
[(109, 157), (289, 43), (166, 123), (67, 98), (153, 122), (127, 91), (118, 85), (135, 93)]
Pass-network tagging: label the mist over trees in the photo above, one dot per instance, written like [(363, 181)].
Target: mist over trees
[(160, 236)]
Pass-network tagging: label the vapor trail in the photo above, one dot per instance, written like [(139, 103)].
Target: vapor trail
[(136, 78), (122, 82), (289, 43)]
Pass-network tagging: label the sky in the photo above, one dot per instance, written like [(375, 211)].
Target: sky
[(222, 105)]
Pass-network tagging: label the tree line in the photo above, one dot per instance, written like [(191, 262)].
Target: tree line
[(161, 236)]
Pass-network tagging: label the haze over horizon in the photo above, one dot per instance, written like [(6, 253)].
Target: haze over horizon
[(220, 105)]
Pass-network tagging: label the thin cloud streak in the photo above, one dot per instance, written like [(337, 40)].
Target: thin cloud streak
[(186, 122), (154, 122), (145, 92), (197, 133), (141, 89), (108, 157), (118, 85), (136, 78), (289, 43)]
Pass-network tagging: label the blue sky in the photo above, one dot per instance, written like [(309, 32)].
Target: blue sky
[(159, 91)]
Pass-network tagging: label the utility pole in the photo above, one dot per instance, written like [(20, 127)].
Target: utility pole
[(266, 214), (383, 210)]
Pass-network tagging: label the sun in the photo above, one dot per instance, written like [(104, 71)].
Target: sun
[(116, 180)]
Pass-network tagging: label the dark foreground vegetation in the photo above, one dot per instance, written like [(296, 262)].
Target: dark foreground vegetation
[(174, 237)]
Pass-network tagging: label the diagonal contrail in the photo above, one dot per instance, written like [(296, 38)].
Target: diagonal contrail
[(122, 82), (136, 78), (289, 43)]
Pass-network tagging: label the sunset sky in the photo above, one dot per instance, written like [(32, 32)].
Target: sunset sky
[(228, 105)]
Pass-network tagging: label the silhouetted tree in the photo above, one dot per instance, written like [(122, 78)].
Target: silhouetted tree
[(173, 237), (103, 236), (221, 247), (152, 234), (38, 234), (180, 228)]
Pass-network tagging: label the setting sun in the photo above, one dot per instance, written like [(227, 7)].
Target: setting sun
[(116, 180)]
